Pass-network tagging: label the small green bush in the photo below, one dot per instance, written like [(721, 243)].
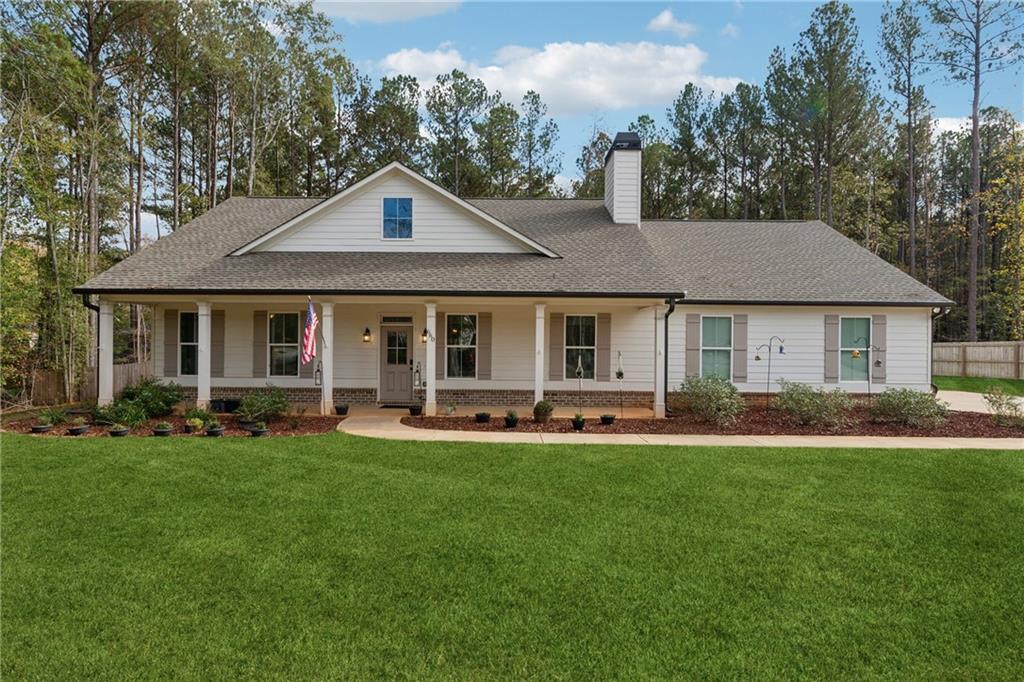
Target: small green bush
[(53, 415), (204, 416), (1006, 410), (156, 399), (812, 407), (544, 408), (263, 406), (713, 399), (908, 407), (121, 412)]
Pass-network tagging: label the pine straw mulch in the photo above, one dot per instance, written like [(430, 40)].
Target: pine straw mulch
[(286, 426), (756, 421)]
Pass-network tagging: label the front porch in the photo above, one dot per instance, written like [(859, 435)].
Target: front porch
[(476, 354)]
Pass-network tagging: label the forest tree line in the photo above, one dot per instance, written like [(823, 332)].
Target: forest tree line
[(120, 117)]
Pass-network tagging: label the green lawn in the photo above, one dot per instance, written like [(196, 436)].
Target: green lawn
[(338, 557), (979, 384)]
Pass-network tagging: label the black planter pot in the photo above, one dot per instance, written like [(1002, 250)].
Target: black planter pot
[(162, 433), (215, 433), (119, 433), (189, 428), (482, 418), (578, 424), (415, 410), (607, 419), (246, 425), (341, 410), (77, 430), (511, 422), (257, 433), (41, 428)]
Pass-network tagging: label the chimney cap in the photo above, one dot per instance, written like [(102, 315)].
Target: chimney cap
[(623, 141)]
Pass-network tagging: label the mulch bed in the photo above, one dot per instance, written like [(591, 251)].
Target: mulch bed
[(756, 421), (303, 426)]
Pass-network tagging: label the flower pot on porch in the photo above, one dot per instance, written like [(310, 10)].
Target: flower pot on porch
[(607, 419), (578, 424), (119, 433), (341, 410), (483, 417), (415, 410), (41, 428), (163, 433), (77, 430), (215, 431)]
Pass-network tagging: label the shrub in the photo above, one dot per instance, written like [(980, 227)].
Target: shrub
[(908, 407), (543, 408), (713, 399), (511, 419), (1006, 410), (196, 423), (198, 413), (214, 424), (264, 407), (53, 415), (78, 421), (813, 407), (155, 399), (163, 426), (120, 412)]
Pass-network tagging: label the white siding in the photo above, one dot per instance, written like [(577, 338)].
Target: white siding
[(438, 225), (622, 186)]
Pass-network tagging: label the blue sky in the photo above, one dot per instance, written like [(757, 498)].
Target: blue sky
[(607, 62)]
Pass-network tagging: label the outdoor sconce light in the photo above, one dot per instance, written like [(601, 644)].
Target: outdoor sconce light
[(424, 336), (318, 374), (366, 335)]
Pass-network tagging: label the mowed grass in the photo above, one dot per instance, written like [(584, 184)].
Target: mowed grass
[(347, 558), (979, 384)]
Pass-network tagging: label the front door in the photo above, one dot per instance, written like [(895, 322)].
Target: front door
[(395, 364)]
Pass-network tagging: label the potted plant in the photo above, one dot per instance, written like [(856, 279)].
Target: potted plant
[(607, 419), (42, 426), (483, 417), (511, 419), (449, 408), (542, 412), (119, 431), (214, 429), (259, 429), (578, 422), (163, 429), (194, 425), (78, 427), (415, 410), (341, 410)]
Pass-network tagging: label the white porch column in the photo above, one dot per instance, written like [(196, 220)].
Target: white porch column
[(105, 340), (538, 354), (327, 358), (203, 364), (659, 361), (430, 402)]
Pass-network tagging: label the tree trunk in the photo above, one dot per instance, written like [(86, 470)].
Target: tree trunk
[(231, 144), (911, 189), (975, 206), (176, 153)]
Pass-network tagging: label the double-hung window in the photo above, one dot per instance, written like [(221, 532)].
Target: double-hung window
[(284, 344), (854, 348), (397, 218), (188, 343), (580, 345), (460, 337), (716, 347)]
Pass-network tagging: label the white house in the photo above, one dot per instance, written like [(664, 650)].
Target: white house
[(427, 297)]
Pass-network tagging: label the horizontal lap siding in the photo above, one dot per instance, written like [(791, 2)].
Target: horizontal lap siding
[(632, 334), (803, 329), (437, 226)]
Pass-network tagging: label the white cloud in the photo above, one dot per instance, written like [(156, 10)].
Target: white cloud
[(945, 124), (383, 11), (574, 78), (730, 30), (666, 21)]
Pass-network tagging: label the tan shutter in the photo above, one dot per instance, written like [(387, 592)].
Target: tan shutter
[(831, 349), (483, 346), (439, 344), (603, 362), (170, 343), (878, 340), (259, 343), (217, 343), (739, 349), (692, 344), (556, 347)]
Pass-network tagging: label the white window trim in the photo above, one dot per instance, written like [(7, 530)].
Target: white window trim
[(565, 346), (297, 344), (844, 349), (188, 343), (475, 346), (732, 332), (412, 236)]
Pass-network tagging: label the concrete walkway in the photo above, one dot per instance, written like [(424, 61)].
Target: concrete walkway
[(963, 401), (387, 424)]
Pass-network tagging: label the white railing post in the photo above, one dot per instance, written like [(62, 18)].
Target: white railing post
[(105, 339), (430, 401), (327, 358), (659, 361), (538, 352), (203, 363)]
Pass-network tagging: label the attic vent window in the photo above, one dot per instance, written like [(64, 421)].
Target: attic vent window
[(397, 218)]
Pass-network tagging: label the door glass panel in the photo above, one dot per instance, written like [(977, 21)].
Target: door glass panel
[(397, 347)]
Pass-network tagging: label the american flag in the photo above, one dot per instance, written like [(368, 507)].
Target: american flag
[(309, 336)]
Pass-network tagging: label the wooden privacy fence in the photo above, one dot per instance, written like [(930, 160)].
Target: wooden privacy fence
[(993, 359), (124, 374)]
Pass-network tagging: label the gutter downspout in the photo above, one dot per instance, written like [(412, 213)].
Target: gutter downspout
[(668, 313), (95, 308), (937, 312)]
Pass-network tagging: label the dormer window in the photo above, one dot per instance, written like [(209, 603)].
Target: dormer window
[(397, 218)]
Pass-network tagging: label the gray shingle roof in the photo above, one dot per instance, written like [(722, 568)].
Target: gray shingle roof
[(802, 262)]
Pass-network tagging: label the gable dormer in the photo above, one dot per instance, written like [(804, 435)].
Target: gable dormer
[(395, 210)]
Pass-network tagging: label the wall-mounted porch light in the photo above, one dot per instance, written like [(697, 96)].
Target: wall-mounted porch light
[(424, 336), (318, 374), (366, 335)]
